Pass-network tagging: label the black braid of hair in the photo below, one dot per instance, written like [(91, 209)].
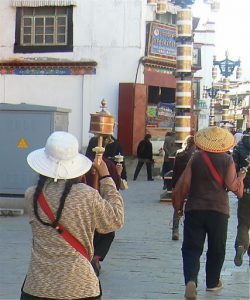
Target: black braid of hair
[(41, 181), (65, 193)]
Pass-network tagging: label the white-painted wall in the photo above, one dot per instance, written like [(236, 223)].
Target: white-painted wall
[(110, 32), (205, 36)]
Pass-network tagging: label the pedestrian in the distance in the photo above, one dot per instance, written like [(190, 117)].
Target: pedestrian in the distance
[(64, 214), (169, 148), (145, 155), (205, 183), (240, 153), (112, 147)]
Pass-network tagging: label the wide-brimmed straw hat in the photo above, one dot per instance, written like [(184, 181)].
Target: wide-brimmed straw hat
[(214, 139), (60, 158)]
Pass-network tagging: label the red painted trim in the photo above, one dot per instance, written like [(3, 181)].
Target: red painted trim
[(154, 78)]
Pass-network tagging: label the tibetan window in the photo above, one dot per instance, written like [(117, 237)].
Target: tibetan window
[(44, 29)]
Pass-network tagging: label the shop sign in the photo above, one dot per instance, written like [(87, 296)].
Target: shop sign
[(161, 42), (202, 104), (161, 115)]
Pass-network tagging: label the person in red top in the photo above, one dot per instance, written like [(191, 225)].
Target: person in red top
[(205, 183)]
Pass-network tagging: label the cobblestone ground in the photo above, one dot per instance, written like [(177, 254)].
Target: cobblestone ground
[(143, 262)]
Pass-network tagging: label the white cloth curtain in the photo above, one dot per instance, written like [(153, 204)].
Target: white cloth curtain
[(37, 3)]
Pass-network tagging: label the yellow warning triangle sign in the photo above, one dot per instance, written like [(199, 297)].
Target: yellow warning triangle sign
[(22, 144)]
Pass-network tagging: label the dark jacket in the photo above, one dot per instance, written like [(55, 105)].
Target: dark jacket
[(112, 171), (181, 160), (145, 150), (112, 148), (240, 153)]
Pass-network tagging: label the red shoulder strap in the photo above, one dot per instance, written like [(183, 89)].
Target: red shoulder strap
[(212, 169), (63, 232)]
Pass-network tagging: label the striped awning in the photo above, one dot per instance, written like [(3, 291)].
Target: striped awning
[(37, 3)]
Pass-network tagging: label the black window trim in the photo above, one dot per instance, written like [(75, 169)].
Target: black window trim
[(40, 48)]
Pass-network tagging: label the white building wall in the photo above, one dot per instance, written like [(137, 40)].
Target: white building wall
[(110, 32), (205, 36)]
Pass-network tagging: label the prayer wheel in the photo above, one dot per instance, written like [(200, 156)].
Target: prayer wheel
[(238, 72), (226, 84), (183, 94), (184, 58), (119, 158), (161, 7), (184, 23), (182, 128), (225, 115), (214, 73), (225, 100), (102, 123)]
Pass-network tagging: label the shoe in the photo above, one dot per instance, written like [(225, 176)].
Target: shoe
[(190, 292), (151, 179), (95, 262), (175, 235), (238, 259), (216, 288)]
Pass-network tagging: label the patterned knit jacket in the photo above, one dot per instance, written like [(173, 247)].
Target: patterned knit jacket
[(57, 270)]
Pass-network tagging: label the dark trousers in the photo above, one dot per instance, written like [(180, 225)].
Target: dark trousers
[(198, 225), (166, 167), (243, 214), (139, 166), (176, 220), (102, 243)]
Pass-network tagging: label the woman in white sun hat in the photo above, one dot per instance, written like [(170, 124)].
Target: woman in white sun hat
[(62, 246), (209, 175)]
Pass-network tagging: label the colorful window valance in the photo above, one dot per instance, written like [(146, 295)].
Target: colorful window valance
[(37, 3)]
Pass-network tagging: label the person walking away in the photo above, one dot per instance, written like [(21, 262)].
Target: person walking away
[(102, 242), (112, 147), (181, 159), (205, 183), (145, 155), (64, 214), (169, 150), (240, 153)]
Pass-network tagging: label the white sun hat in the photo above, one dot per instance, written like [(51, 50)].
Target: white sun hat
[(60, 158)]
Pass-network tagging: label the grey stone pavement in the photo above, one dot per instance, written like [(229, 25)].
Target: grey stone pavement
[(143, 262)]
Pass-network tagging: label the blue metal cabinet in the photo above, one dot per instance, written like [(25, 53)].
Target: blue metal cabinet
[(24, 128)]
